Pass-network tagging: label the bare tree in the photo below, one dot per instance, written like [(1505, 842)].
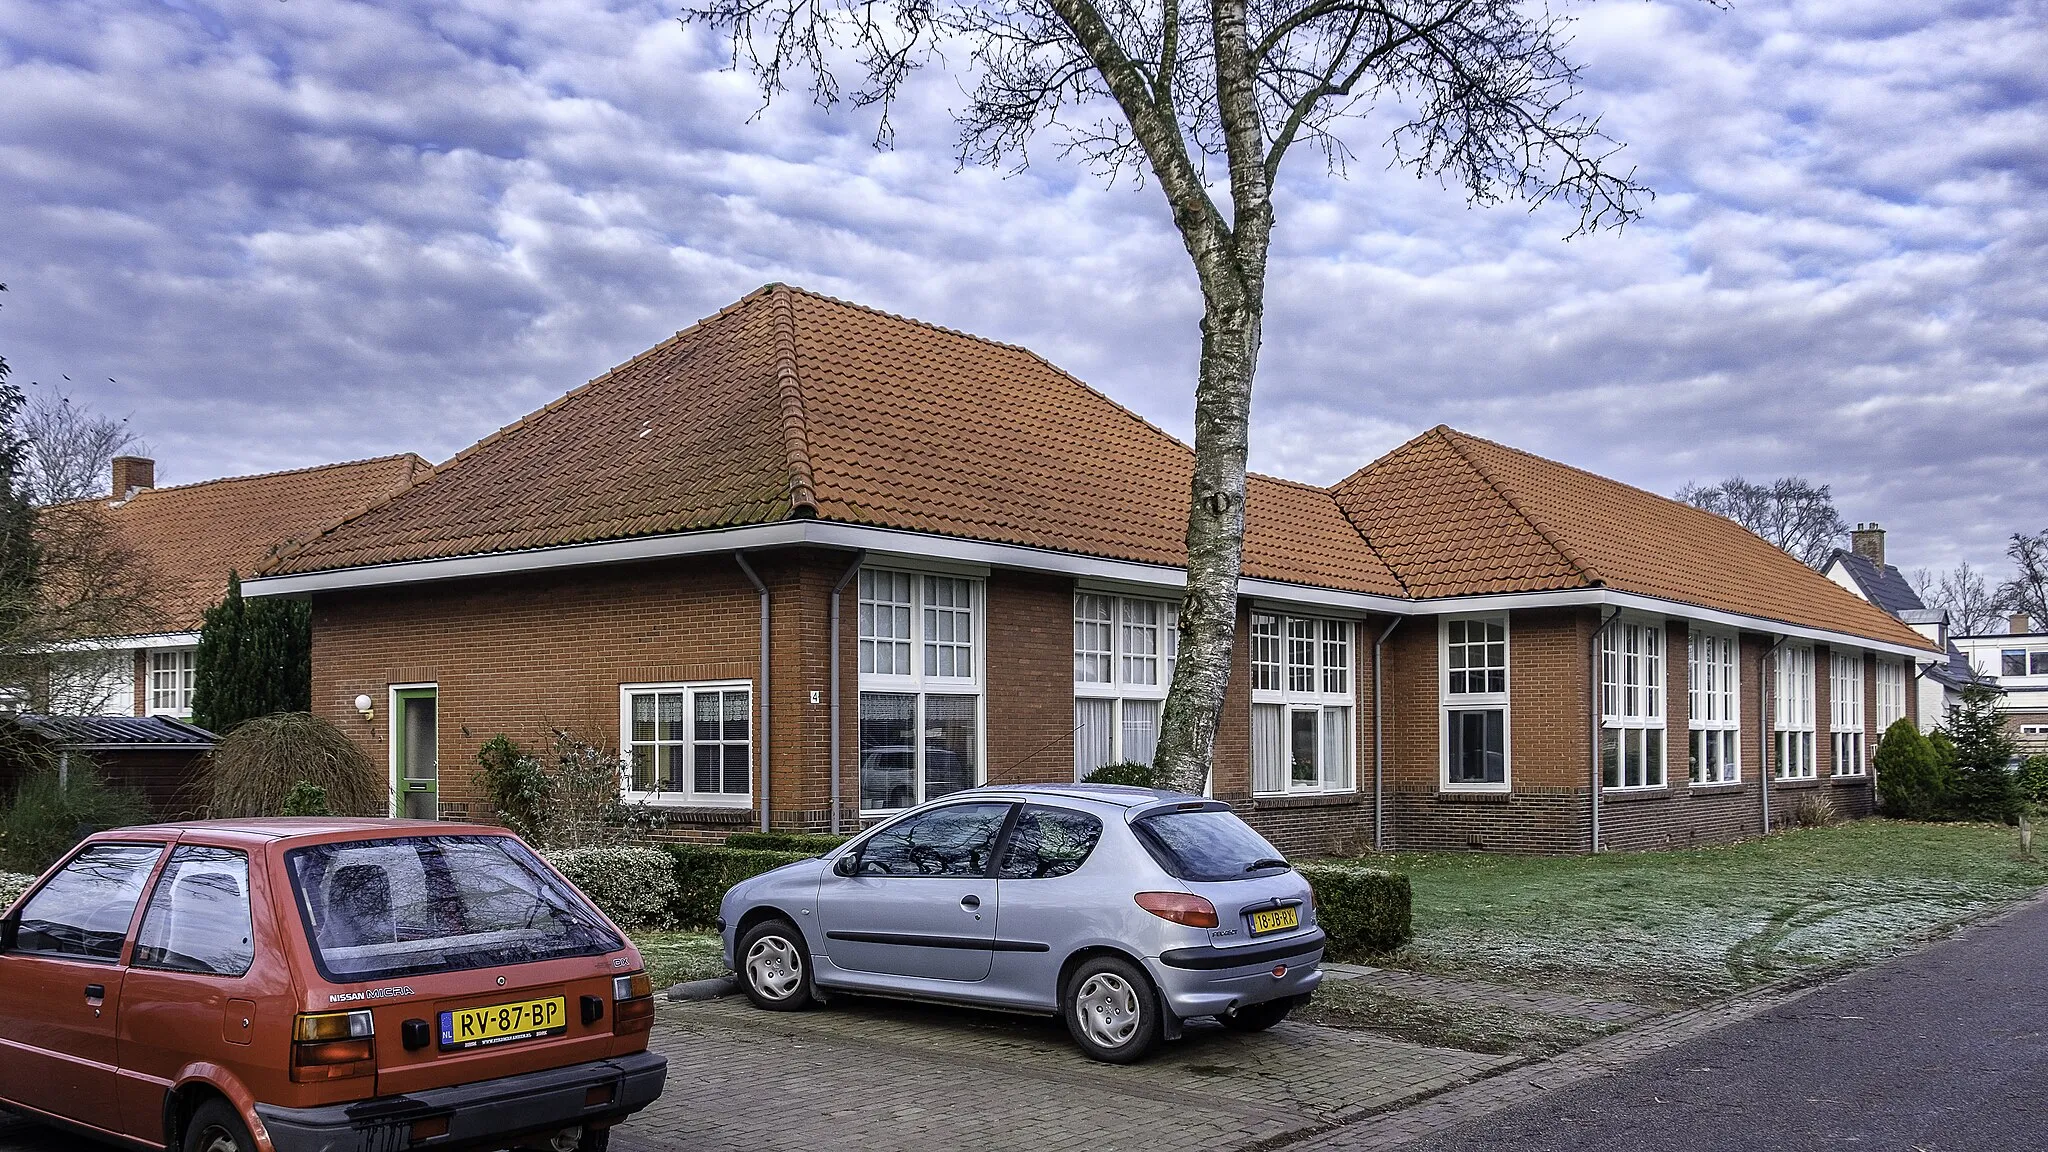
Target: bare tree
[(2027, 591), (1792, 513), (71, 448), (1963, 592), (1479, 93)]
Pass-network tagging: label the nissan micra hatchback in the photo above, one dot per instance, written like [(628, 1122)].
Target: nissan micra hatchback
[(1125, 910), (324, 984)]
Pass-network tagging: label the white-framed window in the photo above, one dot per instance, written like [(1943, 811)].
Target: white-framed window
[(1792, 752), (687, 743), (1473, 691), (1715, 722), (170, 681), (2034, 729), (1891, 693), (920, 641), (1632, 704), (1124, 651), (1845, 712), (1302, 704)]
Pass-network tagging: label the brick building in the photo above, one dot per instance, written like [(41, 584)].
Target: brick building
[(806, 563)]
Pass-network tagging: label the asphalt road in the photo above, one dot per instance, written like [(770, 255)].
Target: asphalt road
[(1943, 1051)]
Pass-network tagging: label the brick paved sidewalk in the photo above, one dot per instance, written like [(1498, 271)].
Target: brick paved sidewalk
[(878, 1076)]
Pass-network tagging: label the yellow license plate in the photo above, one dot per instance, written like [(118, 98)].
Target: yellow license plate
[(504, 1023), (1275, 920)]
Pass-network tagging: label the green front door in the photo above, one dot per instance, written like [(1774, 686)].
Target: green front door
[(417, 770)]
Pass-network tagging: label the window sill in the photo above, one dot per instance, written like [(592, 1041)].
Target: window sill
[(1493, 795), (1715, 786), (696, 810), (1278, 801), (1847, 778), (1626, 795), (1795, 782)]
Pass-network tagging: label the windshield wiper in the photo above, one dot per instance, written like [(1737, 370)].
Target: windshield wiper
[(1268, 862)]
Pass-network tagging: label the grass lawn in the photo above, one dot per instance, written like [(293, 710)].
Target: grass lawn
[(673, 957)]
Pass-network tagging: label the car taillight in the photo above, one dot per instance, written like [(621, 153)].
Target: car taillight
[(333, 1046), (1179, 907), (632, 1004)]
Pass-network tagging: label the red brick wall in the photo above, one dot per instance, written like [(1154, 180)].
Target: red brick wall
[(1030, 678)]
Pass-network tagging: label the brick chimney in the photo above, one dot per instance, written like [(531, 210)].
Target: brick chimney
[(2018, 623), (132, 473), (1867, 541)]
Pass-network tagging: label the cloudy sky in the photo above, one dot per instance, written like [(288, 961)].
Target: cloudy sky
[(283, 232)]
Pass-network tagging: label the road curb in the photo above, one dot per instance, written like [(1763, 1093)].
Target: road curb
[(711, 989)]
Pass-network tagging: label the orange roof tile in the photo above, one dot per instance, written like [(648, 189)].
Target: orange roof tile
[(190, 536)]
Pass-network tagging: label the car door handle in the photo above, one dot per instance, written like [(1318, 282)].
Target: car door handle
[(970, 903), (95, 991)]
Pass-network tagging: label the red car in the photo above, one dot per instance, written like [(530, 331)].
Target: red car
[(321, 984)]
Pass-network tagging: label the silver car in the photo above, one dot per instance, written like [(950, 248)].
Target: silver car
[(1124, 910)]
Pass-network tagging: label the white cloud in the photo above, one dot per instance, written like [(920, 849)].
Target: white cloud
[(292, 232)]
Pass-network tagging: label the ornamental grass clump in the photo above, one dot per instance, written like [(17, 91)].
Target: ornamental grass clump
[(256, 769)]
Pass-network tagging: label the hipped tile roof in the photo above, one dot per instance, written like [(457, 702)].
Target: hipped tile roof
[(189, 537), (790, 405)]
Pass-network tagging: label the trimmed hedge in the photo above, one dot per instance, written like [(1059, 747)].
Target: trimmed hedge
[(1365, 911), (703, 873), (12, 885), (634, 886), (810, 844)]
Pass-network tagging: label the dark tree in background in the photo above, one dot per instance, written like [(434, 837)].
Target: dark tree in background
[(20, 552), (1793, 514), (1209, 98), (255, 658), (1972, 604), (2027, 591)]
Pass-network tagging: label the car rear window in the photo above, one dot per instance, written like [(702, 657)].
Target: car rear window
[(1207, 844), (379, 909)]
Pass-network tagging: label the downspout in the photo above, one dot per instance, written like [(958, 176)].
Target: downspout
[(763, 743), (1379, 746), (852, 571), (1767, 673), (1593, 716)]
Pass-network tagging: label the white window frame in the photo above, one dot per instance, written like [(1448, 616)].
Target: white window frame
[(1633, 702), (1322, 686), (181, 690), (918, 683), (1469, 701), (1714, 683), (1121, 688), (1891, 694), (688, 796), (1793, 755), (1845, 713)]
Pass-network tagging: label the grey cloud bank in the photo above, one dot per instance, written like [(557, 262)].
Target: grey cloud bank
[(313, 230)]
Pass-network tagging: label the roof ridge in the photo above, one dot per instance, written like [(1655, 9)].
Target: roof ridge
[(796, 432), (1586, 571), (251, 476)]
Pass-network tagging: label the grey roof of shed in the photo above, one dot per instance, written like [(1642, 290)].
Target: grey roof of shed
[(117, 731)]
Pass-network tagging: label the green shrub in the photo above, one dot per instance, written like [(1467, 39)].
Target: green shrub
[(515, 786), (1910, 773), (1365, 911), (810, 844), (306, 799), (12, 885), (254, 769), (45, 819), (635, 886), (703, 873), (1128, 772), (2033, 781)]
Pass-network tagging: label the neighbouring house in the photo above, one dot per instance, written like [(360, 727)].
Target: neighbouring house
[(805, 563), (2016, 660), (186, 539), (1861, 568), (154, 755)]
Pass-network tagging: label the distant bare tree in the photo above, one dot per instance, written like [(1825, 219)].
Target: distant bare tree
[(2027, 591), (70, 448), (1792, 513), (1962, 591), (1209, 98)]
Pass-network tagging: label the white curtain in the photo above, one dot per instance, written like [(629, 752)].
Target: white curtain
[(1269, 749), (1141, 730), (1091, 735)]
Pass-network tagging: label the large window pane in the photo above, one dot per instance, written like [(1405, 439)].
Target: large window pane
[(1269, 748), (888, 750), (1336, 748), (1305, 745), (1093, 739), (1478, 751), (1140, 730), (951, 749), (84, 910)]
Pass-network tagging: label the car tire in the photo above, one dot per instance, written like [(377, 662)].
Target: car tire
[(1111, 1010), (1258, 1017), (775, 967), (216, 1127)]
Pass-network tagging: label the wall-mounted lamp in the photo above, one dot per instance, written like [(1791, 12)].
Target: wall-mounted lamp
[(363, 705)]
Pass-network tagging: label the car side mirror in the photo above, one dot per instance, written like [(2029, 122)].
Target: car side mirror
[(846, 865), (10, 928)]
